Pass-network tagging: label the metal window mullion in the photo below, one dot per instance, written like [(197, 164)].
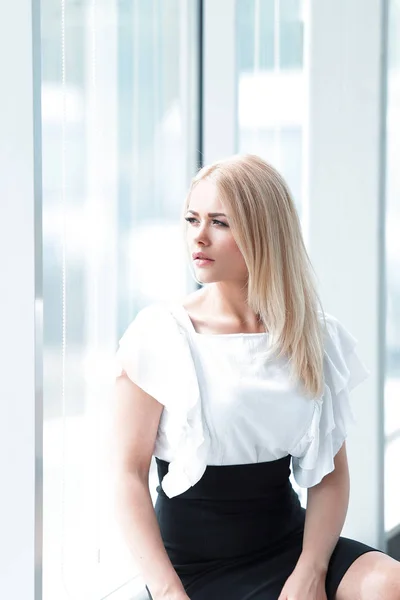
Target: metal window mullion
[(219, 80)]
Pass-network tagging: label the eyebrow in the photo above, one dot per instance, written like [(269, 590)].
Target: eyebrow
[(209, 214)]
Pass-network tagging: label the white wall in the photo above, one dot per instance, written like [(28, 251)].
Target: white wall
[(20, 306), (346, 220)]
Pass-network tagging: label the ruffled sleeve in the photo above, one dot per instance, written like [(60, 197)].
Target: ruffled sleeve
[(343, 371), (156, 355)]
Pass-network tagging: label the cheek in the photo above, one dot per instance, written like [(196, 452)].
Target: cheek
[(233, 248), (232, 251)]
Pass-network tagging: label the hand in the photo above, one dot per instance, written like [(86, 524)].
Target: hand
[(305, 583)]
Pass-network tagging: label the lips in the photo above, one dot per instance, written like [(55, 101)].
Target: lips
[(200, 256)]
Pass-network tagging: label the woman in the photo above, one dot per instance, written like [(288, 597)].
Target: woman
[(225, 388)]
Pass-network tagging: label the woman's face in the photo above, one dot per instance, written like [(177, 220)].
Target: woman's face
[(211, 235)]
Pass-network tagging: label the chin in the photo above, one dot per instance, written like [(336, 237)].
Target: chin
[(204, 277)]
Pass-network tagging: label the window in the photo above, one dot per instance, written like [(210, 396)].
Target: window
[(119, 128), (270, 73)]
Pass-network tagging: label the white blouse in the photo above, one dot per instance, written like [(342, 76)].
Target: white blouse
[(225, 405)]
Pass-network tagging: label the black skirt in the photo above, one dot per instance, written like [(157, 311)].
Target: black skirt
[(237, 534)]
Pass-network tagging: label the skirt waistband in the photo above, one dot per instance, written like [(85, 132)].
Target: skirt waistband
[(256, 481), (232, 511)]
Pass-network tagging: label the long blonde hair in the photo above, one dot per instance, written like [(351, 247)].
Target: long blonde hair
[(281, 288)]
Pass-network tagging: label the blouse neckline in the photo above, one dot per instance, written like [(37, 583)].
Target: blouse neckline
[(218, 335)]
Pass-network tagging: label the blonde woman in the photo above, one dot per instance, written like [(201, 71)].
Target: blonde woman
[(229, 388)]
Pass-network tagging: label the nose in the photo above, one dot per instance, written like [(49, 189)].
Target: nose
[(201, 235)]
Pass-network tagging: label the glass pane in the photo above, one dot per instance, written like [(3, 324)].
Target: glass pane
[(291, 34), (269, 50), (392, 384), (119, 127)]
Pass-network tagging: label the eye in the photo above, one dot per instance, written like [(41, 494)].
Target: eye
[(191, 219)]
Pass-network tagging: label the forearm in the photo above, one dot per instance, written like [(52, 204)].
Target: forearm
[(136, 515), (326, 511)]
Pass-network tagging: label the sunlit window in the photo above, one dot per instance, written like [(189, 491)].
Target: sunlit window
[(270, 73), (119, 109)]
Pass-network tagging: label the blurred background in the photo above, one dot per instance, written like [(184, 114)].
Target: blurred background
[(131, 97)]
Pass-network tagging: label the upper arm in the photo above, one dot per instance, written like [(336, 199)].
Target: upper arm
[(136, 419), (340, 460), (340, 472)]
